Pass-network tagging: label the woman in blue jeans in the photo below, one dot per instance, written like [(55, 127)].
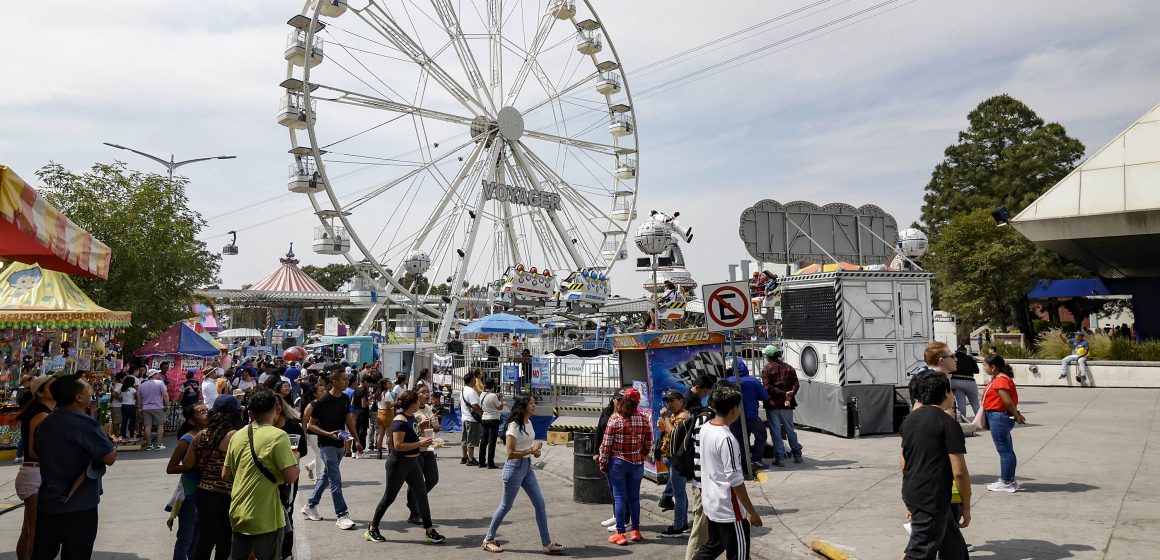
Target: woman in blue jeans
[(181, 462), (517, 473), (1001, 403), (627, 441)]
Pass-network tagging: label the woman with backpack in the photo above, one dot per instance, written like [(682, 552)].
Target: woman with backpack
[(672, 416)]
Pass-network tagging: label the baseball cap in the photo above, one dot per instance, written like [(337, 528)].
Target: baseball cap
[(672, 394), (771, 350), (632, 395), (1079, 333), (39, 381), (227, 403)]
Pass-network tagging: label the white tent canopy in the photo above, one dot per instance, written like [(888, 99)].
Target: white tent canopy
[(240, 333)]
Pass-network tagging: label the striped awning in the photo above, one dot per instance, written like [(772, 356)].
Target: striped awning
[(33, 231), (288, 278)]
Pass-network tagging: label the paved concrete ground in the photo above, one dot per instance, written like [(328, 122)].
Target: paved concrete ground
[(1087, 462)]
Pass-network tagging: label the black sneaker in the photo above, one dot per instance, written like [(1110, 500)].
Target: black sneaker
[(667, 503), (673, 533), (462, 460), (372, 534), (433, 536), (472, 463)]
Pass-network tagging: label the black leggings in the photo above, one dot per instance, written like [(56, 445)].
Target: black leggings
[(400, 470), (213, 525), (430, 469), (489, 431)]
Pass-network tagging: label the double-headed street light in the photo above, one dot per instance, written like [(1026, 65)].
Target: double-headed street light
[(171, 164)]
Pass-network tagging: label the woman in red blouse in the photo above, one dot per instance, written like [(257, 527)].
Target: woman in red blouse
[(1001, 405), (627, 441)]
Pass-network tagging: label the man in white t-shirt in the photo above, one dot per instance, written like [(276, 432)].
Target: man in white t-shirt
[(209, 392), (471, 414), (723, 495)]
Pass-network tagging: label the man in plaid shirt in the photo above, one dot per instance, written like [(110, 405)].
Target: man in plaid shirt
[(781, 382), (627, 441)]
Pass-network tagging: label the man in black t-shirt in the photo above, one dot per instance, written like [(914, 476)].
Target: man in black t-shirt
[(190, 390), (329, 419), (933, 455), (697, 392)]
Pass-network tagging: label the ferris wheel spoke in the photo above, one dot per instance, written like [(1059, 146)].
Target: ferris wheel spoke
[(542, 32), (567, 190), (495, 21), (382, 22), (509, 228), (363, 100), (524, 163), (394, 182), (450, 22), (576, 143), (562, 92)]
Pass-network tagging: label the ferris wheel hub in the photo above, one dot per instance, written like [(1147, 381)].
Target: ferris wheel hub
[(511, 123)]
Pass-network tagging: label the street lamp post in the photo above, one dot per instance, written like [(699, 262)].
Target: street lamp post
[(172, 163)]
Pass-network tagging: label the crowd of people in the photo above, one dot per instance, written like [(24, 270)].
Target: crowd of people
[(248, 428)]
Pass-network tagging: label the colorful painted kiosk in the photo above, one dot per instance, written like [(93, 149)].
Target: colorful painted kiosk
[(44, 316), (656, 361)]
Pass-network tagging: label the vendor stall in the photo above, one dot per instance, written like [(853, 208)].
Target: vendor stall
[(48, 325), (656, 361), (182, 349)]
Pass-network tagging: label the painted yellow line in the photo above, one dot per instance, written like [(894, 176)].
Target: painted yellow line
[(761, 478)]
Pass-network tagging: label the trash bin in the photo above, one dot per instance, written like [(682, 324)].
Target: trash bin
[(589, 485)]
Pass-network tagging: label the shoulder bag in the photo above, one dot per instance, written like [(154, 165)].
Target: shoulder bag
[(283, 489), (981, 416)]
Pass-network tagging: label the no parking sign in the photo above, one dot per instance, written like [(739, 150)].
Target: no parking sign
[(727, 306)]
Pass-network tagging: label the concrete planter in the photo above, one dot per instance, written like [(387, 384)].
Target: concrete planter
[(1101, 373)]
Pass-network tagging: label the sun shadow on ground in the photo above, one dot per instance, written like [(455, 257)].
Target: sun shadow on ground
[(1021, 549), (1070, 487), (97, 555)]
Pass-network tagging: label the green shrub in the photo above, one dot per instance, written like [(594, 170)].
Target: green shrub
[(1124, 349), (1012, 352), (1150, 351), (1053, 345)]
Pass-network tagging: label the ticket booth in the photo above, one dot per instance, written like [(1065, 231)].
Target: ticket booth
[(654, 362)]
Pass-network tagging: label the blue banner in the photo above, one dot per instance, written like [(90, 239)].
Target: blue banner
[(541, 373), (511, 373)]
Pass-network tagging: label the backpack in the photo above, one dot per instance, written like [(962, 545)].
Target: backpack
[(681, 445), (191, 394)]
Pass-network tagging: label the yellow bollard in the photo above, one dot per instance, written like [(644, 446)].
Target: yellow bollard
[(826, 549)]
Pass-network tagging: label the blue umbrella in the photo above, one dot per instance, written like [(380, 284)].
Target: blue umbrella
[(502, 323)]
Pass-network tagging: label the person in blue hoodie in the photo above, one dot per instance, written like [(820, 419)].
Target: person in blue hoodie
[(753, 393)]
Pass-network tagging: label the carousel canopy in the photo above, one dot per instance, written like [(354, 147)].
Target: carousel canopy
[(31, 296), (288, 278), (32, 231), (179, 339)]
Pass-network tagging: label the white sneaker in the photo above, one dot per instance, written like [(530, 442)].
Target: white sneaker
[(608, 522), (311, 513), (612, 528), (160, 447), (344, 523), (310, 470), (1007, 487)]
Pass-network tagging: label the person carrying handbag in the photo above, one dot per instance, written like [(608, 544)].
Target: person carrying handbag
[(260, 462)]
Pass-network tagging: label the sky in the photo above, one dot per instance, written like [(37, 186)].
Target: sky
[(856, 111)]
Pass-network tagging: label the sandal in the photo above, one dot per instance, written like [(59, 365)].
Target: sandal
[(492, 546), (554, 548)]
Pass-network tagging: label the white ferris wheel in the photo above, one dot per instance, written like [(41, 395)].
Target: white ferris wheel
[(468, 136)]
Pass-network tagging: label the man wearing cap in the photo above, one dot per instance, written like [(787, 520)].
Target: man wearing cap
[(209, 393), (154, 403), (1081, 350), (754, 393), (781, 382)]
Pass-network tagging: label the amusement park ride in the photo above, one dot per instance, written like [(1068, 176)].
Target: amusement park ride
[(497, 150)]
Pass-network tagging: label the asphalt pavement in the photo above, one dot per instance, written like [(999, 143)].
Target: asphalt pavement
[(1088, 465)]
